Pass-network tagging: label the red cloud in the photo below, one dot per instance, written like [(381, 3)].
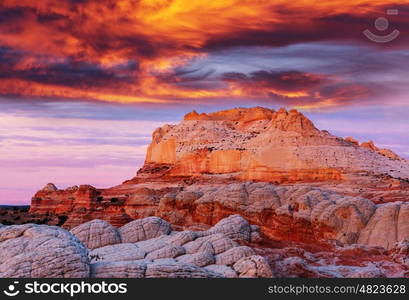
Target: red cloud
[(123, 50)]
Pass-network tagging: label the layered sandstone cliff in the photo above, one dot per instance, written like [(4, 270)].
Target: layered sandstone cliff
[(264, 145)]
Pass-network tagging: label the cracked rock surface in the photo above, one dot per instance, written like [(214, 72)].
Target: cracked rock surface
[(96, 234), (141, 248), (38, 251), (186, 254), (225, 250)]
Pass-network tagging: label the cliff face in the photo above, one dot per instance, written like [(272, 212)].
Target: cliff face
[(263, 145)]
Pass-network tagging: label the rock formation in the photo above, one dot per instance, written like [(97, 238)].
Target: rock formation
[(265, 145), (96, 234), (155, 251), (37, 251), (293, 182), (224, 250), (301, 213), (140, 230)]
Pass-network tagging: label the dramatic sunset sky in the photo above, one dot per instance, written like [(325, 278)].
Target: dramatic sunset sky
[(84, 82)]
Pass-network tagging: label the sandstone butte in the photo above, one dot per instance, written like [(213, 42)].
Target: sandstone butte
[(304, 187)]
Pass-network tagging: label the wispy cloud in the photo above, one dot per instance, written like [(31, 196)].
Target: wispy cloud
[(34, 151)]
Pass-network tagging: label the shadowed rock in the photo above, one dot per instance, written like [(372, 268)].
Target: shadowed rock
[(253, 267), (178, 270), (118, 252), (118, 269), (224, 270)]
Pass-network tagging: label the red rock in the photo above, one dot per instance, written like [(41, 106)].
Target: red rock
[(385, 152)]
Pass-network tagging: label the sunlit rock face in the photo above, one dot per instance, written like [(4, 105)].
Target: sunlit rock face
[(264, 145)]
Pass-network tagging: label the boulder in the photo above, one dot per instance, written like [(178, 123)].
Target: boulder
[(347, 217), (96, 234), (183, 237), (40, 251), (216, 243), (169, 251), (143, 229), (234, 227), (153, 244)]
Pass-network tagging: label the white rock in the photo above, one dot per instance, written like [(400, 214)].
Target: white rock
[(234, 227), (118, 252), (143, 229), (387, 226), (169, 251), (233, 255), (217, 243), (199, 259), (38, 251), (96, 234)]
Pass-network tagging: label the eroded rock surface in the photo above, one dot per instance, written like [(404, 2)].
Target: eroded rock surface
[(388, 226), (355, 261), (118, 269), (143, 229), (300, 212), (186, 254), (96, 234), (38, 251), (253, 267), (48, 251)]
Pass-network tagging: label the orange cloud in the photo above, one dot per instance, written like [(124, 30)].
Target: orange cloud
[(157, 36)]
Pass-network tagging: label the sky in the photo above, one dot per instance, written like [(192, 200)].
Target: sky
[(83, 83)]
